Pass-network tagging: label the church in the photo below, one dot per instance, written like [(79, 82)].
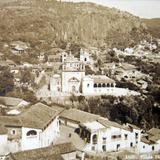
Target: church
[(73, 80)]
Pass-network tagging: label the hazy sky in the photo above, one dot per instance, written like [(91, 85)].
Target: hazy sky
[(141, 8)]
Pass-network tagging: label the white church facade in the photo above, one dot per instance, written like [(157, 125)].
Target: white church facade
[(73, 80)]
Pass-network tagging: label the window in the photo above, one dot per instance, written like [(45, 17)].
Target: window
[(143, 146), (136, 135), (93, 148), (87, 85), (118, 146), (82, 67), (85, 59), (31, 133), (152, 148), (94, 138), (107, 84), (116, 136), (104, 139), (103, 85), (95, 85), (13, 132), (126, 136), (131, 144), (99, 85), (104, 148)]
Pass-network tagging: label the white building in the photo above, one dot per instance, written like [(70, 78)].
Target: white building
[(102, 135), (85, 57), (73, 80), (37, 127), (3, 140), (106, 136), (150, 142)]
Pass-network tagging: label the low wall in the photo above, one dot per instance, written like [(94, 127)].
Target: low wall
[(114, 91)]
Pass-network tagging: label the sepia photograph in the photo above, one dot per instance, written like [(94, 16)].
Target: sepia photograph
[(79, 79)]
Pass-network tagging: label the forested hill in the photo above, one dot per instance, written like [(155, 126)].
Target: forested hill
[(35, 21)]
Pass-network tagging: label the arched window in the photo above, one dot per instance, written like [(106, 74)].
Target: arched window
[(94, 139), (95, 85), (103, 85), (107, 84), (31, 133), (99, 85), (112, 85)]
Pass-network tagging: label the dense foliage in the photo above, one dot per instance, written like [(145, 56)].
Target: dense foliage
[(6, 80)]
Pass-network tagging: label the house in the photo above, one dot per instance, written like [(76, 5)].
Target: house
[(19, 47), (85, 57), (64, 151), (41, 56), (106, 136), (7, 63), (73, 117), (150, 141), (3, 139), (12, 102), (100, 134), (36, 127)]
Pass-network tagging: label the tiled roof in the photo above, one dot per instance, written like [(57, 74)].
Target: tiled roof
[(154, 131), (153, 135), (10, 121), (38, 116), (109, 124), (78, 116), (102, 79), (48, 153), (3, 130), (10, 101)]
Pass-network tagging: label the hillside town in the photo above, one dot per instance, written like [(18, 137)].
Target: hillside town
[(77, 82), (28, 129)]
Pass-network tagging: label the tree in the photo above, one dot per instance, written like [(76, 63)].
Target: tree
[(6, 81), (23, 94), (26, 76)]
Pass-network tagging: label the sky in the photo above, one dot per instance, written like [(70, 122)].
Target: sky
[(141, 8)]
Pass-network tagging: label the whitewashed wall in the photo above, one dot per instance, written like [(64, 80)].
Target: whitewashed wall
[(43, 138), (3, 144), (111, 91), (30, 142), (111, 144), (66, 76)]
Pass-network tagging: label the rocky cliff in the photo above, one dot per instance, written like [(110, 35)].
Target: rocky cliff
[(42, 21)]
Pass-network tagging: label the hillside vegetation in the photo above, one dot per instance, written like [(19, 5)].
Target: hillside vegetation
[(45, 24)]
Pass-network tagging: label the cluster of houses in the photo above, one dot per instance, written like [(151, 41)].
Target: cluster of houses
[(36, 131), (127, 73), (67, 74)]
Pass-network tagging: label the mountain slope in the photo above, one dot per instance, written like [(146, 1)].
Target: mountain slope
[(153, 26), (38, 21)]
